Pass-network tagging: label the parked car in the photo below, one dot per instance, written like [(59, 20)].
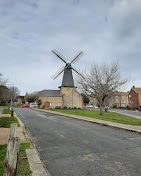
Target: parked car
[(95, 107), (33, 105), (25, 106), (89, 106)]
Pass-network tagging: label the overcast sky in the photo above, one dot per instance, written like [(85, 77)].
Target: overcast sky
[(105, 30)]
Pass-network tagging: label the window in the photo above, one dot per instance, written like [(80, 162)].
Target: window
[(123, 96), (129, 96), (123, 101), (116, 100)]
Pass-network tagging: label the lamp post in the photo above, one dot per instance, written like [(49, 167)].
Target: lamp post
[(11, 96)]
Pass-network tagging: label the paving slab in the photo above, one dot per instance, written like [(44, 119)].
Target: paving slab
[(5, 132), (5, 115), (35, 163)]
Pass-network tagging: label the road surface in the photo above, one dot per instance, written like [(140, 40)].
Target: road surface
[(71, 147), (134, 113)]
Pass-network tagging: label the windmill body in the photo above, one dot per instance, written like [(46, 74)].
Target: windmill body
[(67, 78)]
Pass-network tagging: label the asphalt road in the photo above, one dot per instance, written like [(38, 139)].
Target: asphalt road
[(71, 147), (134, 113)]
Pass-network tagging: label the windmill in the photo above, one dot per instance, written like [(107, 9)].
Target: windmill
[(67, 69)]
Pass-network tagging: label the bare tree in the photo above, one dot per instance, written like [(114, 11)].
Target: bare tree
[(4, 94), (32, 98), (101, 82), (4, 91), (14, 92)]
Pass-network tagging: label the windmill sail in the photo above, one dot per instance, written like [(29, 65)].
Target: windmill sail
[(68, 76)]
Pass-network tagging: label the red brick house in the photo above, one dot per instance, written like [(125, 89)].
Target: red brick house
[(134, 97)]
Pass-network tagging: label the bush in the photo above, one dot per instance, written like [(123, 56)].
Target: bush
[(65, 107), (75, 108), (57, 107), (39, 102)]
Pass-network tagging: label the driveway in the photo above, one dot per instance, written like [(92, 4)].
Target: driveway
[(71, 147)]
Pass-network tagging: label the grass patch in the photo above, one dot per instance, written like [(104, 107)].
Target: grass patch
[(5, 122), (19, 106), (3, 149), (23, 168), (108, 116), (6, 111)]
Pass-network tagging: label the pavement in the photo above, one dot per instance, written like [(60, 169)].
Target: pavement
[(35, 163), (132, 128)]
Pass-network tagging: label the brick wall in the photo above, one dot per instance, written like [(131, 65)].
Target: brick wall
[(133, 99), (55, 101), (71, 98)]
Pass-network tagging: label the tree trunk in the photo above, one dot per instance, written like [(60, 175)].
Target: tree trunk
[(101, 110)]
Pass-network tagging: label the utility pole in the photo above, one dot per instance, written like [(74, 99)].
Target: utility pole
[(11, 99)]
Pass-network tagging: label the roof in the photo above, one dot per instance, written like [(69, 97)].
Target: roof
[(49, 93), (121, 93), (137, 89)]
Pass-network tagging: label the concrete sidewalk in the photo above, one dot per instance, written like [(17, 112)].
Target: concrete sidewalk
[(132, 128)]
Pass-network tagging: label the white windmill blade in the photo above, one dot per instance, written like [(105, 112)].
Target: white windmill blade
[(58, 73), (81, 53), (59, 55)]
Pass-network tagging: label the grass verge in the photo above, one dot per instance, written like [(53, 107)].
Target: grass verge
[(108, 116), (3, 149), (6, 111), (23, 168), (5, 122)]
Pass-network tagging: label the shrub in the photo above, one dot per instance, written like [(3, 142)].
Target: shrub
[(39, 102), (65, 107), (57, 107)]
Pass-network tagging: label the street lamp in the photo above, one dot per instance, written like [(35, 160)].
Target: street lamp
[(11, 96)]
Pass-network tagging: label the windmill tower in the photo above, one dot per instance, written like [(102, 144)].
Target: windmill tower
[(71, 98)]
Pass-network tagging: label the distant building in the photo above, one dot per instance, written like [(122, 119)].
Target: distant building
[(120, 99), (135, 97), (19, 100), (92, 100)]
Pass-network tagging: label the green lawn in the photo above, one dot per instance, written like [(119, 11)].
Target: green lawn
[(5, 122), (6, 111), (108, 116), (19, 106), (3, 149), (23, 168)]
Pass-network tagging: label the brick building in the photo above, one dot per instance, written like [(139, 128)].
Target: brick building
[(120, 99), (134, 97)]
